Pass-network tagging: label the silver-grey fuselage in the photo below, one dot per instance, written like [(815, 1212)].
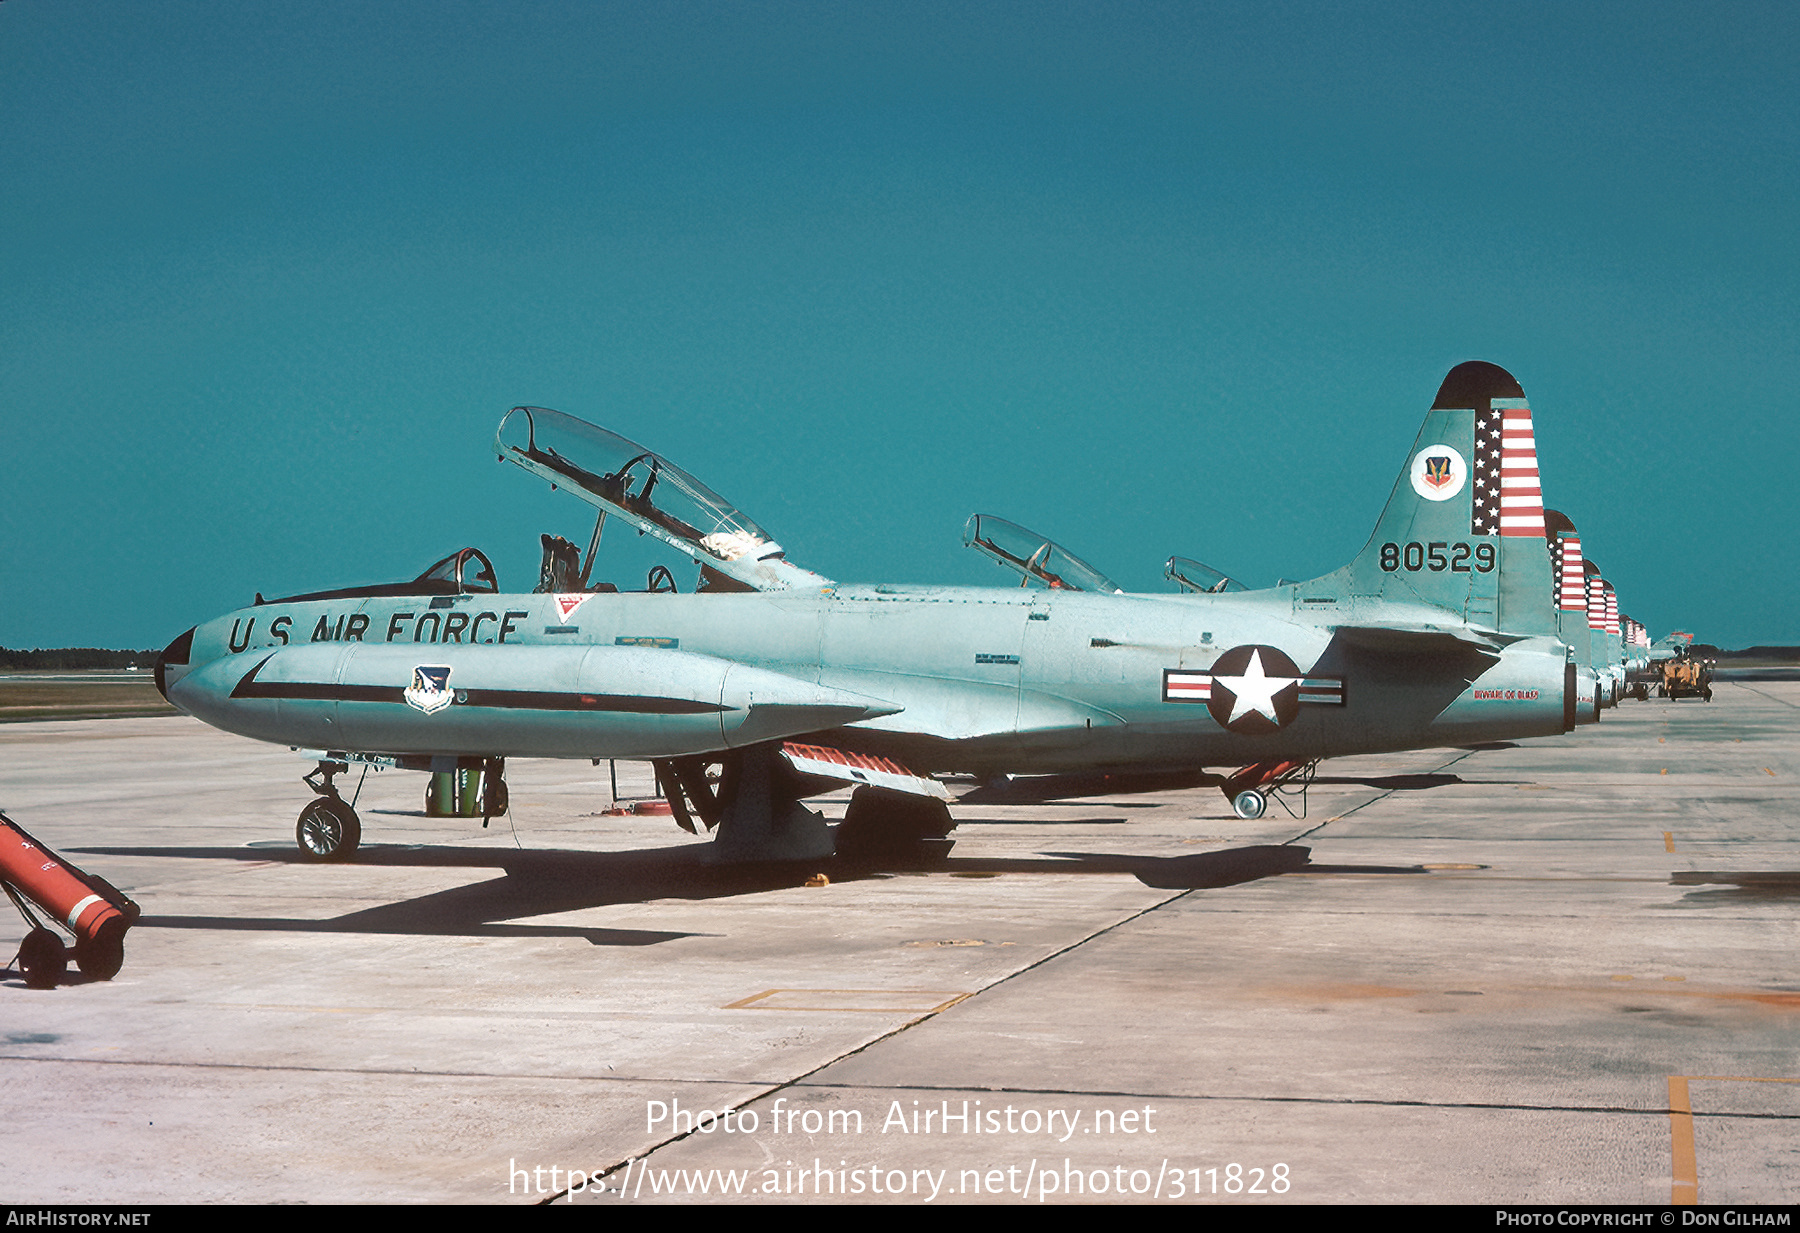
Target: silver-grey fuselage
[(946, 679)]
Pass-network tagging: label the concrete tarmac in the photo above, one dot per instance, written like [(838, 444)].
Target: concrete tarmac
[(1561, 971)]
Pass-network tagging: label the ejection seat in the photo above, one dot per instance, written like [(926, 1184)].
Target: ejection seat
[(560, 572)]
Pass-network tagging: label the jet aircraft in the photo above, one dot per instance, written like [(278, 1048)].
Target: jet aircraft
[(1441, 631)]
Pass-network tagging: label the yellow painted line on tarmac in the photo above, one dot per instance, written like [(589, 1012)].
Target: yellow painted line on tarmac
[(1684, 1172), (866, 1001), (1668, 841)]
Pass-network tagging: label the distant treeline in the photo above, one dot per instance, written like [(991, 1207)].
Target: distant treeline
[(73, 658), (1763, 652)]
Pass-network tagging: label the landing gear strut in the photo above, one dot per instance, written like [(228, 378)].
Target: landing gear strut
[(329, 829), (755, 807), (1250, 789)]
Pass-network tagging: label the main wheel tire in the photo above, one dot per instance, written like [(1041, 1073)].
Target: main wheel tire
[(43, 959), (328, 830), (1249, 804), (495, 799)]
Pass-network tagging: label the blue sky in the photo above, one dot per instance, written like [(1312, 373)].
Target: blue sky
[(1149, 278)]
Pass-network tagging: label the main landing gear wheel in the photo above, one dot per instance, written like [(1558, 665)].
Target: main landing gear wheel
[(43, 959), (329, 830), (1249, 805)]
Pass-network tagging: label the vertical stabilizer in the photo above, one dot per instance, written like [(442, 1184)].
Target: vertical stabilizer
[(1464, 528), (1568, 567)]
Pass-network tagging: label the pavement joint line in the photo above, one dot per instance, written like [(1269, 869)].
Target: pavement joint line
[(1771, 697), (350, 1071), (799, 1079), (1369, 1101), (800, 1082), (1684, 1171), (1467, 753)]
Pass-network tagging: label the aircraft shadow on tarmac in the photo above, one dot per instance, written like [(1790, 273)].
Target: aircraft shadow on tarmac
[(1400, 783), (1227, 867), (1042, 789), (1056, 789), (533, 883), (551, 881), (1737, 888)]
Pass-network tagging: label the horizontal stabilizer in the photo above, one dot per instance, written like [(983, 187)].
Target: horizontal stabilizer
[(1424, 639)]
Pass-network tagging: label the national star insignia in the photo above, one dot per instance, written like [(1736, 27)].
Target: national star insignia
[(1254, 691)]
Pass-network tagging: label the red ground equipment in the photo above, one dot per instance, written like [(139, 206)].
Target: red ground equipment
[(87, 906)]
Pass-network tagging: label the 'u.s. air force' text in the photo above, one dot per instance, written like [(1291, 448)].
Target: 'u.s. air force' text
[(423, 626)]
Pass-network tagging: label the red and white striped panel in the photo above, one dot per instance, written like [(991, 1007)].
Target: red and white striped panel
[(1521, 496), (1612, 609), (1571, 578), (1596, 602), (1186, 686), (849, 767)]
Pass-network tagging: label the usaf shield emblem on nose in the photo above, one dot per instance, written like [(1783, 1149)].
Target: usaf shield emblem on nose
[(430, 690)]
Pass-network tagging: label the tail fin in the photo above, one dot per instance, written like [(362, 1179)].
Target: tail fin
[(1569, 569), (1464, 528)]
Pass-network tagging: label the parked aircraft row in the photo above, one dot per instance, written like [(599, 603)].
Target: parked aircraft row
[(1471, 615)]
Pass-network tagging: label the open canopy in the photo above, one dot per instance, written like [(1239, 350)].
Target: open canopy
[(623, 478), (1040, 560), (1191, 575)]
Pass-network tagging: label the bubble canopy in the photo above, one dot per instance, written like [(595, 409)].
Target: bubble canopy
[(1037, 559), (1191, 575), (620, 477)]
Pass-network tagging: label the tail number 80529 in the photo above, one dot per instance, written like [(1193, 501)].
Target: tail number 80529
[(1437, 556)]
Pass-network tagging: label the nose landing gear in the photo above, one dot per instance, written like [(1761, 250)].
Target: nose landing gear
[(329, 829)]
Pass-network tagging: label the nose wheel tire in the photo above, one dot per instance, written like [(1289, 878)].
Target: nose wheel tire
[(328, 830), (1249, 805)]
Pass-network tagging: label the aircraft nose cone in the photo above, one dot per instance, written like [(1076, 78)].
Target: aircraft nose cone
[(175, 655)]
